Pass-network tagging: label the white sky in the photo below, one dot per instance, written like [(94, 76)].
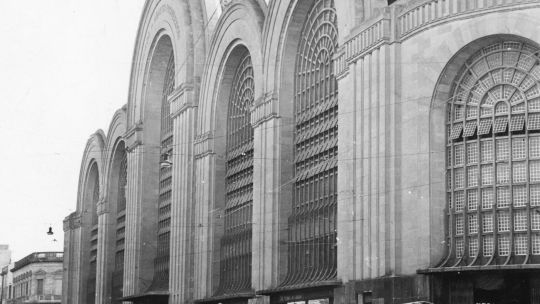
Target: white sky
[(64, 71)]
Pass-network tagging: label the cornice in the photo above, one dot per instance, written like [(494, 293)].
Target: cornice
[(181, 99), (264, 108)]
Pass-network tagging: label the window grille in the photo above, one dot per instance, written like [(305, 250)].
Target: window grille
[(500, 147), (235, 260), (460, 247), (520, 244), (118, 271), (312, 223), (487, 222), (161, 261), (473, 247)]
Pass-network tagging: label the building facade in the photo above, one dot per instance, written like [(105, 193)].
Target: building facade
[(317, 152), (37, 278)]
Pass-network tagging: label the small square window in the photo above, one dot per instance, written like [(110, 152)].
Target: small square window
[(487, 175), (503, 173), (459, 248), (518, 148), (472, 176), (519, 174)]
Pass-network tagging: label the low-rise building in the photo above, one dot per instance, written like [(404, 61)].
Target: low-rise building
[(37, 278)]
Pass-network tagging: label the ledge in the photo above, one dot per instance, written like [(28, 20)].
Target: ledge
[(239, 295), (439, 270), (299, 286)]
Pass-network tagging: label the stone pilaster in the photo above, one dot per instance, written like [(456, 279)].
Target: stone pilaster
[(103, 278), (140, 240), (266, 190), (183, 113), (72, 261), (203, 253)]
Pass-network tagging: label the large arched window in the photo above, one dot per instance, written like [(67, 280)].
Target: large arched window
[(493, 158), (161, 263), (312, 224), (235, 261), (118, 271)]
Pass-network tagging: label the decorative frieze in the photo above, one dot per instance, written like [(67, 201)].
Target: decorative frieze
[(134, 136), (202, 145), (263, 109), (181, 99), (418, 16)]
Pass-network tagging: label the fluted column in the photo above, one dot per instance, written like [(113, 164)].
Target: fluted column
[(103, 257), (266, 191), (72, 261), (181, 269)]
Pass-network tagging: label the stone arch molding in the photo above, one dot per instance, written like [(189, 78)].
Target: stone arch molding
[(240, 25), (182, 23), (94, 153), (458, 41), (115, 137)]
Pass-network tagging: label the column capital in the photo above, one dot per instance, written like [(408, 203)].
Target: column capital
[(181, 99), (134, 136), (264, 109), (203, 145), (72, 221)]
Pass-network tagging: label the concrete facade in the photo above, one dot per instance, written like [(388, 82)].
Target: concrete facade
[(394, 65), (37, 278)]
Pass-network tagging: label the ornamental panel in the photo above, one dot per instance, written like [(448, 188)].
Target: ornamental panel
[(312, 223), (498, 90)]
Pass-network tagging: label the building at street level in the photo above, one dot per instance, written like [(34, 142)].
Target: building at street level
[(317, 152)]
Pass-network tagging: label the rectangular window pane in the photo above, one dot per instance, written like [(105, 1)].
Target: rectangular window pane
[(459, 225), (485, 126), (535, 195), (472, 199), (520, 196), (500, 124), (473, 247), (534, 147), (473, 223), (487, 244), (503, 173), (520, 244), (459, 179), (460, 201), (535, 170), (503, 221), (459, 248), (518, 148), (472, 153), (472, 176), (520, 220), (535, 220), (486, 149), (487, 198), (504, 245), (517, 122), (535, 244), (487, 175), (502, 150), (487, 222), (503, 197), (458, 155), (519, 172)]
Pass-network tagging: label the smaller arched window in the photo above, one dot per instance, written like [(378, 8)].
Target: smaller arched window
[(493, 158)]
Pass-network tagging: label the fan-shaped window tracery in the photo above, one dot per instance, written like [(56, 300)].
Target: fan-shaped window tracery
[(312, 224), (235, 274), (493, 173)]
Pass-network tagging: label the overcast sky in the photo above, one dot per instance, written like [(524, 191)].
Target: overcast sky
[(64, 71)]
